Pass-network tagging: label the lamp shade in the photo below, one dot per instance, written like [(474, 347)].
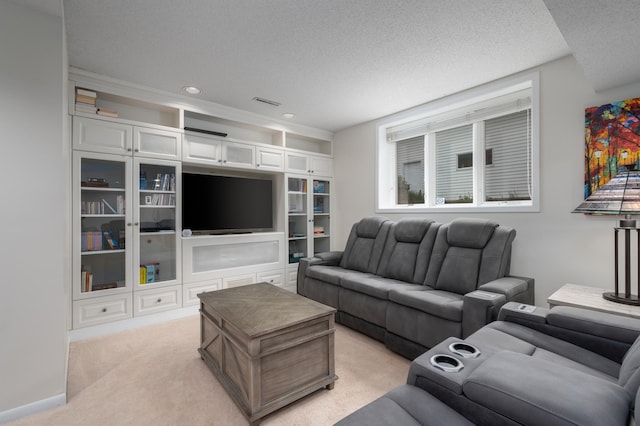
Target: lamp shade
[(619, 196)]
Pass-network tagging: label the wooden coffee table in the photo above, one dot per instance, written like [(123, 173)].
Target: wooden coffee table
[(268, 347)]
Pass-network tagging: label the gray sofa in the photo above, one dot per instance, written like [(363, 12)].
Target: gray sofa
[(563, 366), (414, 282)]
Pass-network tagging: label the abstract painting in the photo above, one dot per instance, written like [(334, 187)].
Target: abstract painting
[(612, 142)]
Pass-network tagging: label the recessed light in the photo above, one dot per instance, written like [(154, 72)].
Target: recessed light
[(288, 115), (192, 90)]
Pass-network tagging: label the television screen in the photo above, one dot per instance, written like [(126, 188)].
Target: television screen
[(225, 204)]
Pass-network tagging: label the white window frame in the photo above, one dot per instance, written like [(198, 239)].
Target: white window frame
[(386, 179)]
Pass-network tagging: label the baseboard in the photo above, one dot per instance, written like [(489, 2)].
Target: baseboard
[(128, 324), (33, 408)]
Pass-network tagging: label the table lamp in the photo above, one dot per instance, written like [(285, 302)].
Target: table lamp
[(620, 196)]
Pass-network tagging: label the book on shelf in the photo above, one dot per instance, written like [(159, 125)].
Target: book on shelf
[(112, 243), (85, 99), (108, 206), (91, 241), (149, 272), (82, 107), (86, 281), (107, 112), (86, 92)]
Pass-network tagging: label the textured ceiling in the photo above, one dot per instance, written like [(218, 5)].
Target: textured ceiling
[(337, 63)]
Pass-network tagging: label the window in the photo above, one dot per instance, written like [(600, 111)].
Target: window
[(466, 159), (472, 151)]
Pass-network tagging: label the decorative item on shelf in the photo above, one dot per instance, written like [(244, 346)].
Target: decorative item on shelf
[(95, 183), (149, 273), (318, 187), (620, 196)]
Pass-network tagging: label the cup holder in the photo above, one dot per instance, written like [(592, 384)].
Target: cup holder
[(446, 363), (465, 350)]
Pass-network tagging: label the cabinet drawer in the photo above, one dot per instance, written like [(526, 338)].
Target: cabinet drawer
[(157, 300), (100, 310), (271, 277), (238, 280), (190, 291)]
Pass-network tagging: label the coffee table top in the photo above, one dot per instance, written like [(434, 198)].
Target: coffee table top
[(261, 308)]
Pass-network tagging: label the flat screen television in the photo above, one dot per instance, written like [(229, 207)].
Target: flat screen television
[(226, 204)]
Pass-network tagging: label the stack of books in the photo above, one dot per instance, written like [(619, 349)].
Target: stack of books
[(86, 101)]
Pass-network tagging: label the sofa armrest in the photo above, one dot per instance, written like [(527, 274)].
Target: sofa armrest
[(519, 289), (478, 310), (526, 390), (607, 334), (329, 258)]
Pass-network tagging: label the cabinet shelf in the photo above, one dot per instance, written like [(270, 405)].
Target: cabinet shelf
[(151, 233), (96, 252), (101, 189)]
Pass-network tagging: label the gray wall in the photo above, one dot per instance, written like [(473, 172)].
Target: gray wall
[(554, 246), (34, 254)]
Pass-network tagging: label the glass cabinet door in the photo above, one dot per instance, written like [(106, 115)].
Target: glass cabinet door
[(100, 259), (297, 214), (321, 216), (156, 224)]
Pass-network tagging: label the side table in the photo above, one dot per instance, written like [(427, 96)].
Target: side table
[(580, 296)]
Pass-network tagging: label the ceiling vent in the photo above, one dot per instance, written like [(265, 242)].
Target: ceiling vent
[(267, 101)]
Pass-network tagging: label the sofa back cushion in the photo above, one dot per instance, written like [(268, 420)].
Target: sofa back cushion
[(408, 249), (468, 253), (629, 376), (365, 244)]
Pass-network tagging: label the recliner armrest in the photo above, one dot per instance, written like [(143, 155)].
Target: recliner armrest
[(510, 286), (531, 390), (329, 258), (477, 310)]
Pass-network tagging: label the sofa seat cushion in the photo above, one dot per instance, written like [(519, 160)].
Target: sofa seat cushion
[(332, 274), (518, 338), (405, 405), (439, 303), (375, 286), (530, 390)]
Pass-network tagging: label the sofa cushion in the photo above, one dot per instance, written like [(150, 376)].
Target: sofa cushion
[(459, 271), (375, 286), (576, 356), (442, 304), (534, 391), (331, 274), (365, 244), (408, 250), (405, 405), (629, 376), (470, 233)]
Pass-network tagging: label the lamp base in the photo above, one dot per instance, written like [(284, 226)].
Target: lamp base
[(620, 298)]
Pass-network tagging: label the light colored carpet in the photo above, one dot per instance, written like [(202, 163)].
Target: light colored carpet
[(154, 376)]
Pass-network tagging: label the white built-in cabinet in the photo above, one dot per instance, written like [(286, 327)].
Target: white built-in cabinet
[(308, 219), (126, 222), (129, 255)]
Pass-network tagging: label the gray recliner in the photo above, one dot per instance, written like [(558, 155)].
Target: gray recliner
[(534, 366)]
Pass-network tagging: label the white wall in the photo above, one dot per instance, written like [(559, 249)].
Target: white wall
[(34, 211), (553, 246)]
